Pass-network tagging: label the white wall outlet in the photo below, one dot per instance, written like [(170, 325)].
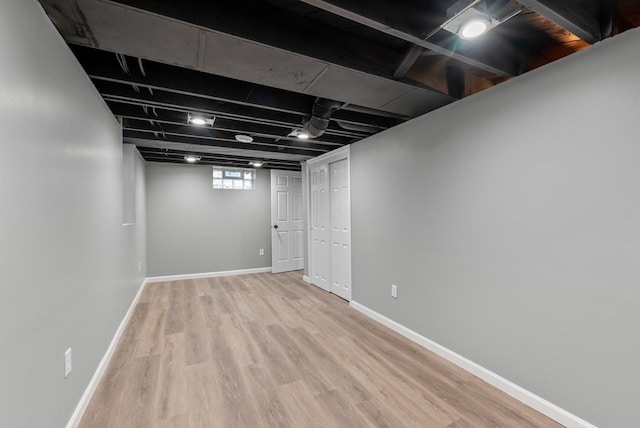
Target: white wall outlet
[(262, 251), (394, 291), (139, 266), (67, 363)]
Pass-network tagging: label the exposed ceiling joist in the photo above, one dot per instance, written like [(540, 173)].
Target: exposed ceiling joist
[(254, 41), (409, 59), (158, 115), (259, 66), (221, 135), (117, 92), (193, 103), (208, 162), (144, 133), (102, 65), (217, 150), (155, 154), (580, 17), (344, 9)]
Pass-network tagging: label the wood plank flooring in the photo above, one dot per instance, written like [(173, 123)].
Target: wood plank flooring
[(269, 350)]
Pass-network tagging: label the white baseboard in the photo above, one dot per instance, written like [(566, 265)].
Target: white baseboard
[(207, 275), (530, 399), (306, 279), (78, 413)]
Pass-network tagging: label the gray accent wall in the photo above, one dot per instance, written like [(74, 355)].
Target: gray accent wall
[(193, 228), (510, 222), (69, 269)]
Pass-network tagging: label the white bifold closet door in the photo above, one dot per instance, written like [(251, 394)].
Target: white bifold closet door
[(320, 228), (340, 230), (330, 227)]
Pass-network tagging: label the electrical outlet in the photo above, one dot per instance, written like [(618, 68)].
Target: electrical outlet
[(394, 291), (262, 251), (139, 266), (67, 363)]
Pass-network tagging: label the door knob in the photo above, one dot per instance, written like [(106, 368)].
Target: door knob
[(275, 226)]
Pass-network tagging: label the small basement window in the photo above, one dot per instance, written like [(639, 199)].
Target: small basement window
[(234, 178)]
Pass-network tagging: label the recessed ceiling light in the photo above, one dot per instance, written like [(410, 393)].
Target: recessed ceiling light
[(300, 134), (474, 28), (192, 158), (244, 138), (256, 163), (200, 120)]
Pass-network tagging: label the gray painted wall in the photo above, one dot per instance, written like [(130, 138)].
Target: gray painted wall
[(69, 268), (510, 222), (193, 228)]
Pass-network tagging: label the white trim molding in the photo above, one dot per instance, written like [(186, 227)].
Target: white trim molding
[(207, 274), (306, 279), (78, 413), (332, 156), (530, 399)]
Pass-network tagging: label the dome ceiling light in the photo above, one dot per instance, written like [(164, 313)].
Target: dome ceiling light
[(200, 120), (244, 138), (470, 19)]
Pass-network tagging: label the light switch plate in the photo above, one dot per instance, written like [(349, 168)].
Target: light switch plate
[(67, 363)]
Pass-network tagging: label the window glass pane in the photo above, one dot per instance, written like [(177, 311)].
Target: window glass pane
[(233, 178), (232, 174)]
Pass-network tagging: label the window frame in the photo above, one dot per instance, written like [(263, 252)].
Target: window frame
[(232, 182)]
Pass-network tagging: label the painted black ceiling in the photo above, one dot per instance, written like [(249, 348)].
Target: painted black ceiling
[(258, 66)]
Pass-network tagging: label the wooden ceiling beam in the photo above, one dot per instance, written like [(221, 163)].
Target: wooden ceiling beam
[(580, 17)]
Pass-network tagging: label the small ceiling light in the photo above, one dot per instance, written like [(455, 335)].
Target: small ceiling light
[(256, 163), (200, 120), (474, 28), (192, 158), (300, 134), (470, 19), (244, 138)]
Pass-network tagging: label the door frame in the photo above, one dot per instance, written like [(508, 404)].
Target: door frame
[(328, 158)]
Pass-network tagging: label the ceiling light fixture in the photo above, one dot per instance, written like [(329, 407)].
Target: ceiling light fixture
[(301, 134), (256, 163), (192, 158), (470, 19), (474, 28), (244, 138), (200, 120)]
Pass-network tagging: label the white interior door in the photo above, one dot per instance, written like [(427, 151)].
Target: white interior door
[(286, 220), (320, 228), (340, 230)]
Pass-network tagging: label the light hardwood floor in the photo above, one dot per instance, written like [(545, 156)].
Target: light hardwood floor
[(269, 350)]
